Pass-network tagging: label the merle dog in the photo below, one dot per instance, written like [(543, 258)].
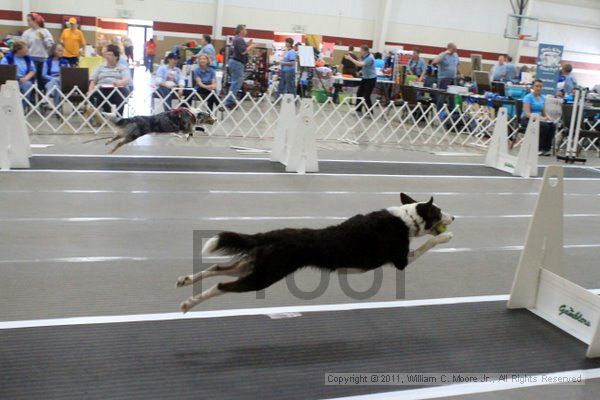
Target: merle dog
[(178, 120)]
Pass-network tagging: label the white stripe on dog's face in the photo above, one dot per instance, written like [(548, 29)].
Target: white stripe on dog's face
[(421, 218), (411, 218)]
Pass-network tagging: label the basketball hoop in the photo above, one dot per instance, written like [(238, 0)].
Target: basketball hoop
[(519, 27)]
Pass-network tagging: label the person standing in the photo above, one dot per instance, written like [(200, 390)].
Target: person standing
[(73, 42), (208, 49), (237, 64), (149, 54), (534, 103), (511, 70), (287, 81), (369, 76), (168, 78), (416, 65), (39, 41), (447, 63), (205, 81), (499, 71), (128, 48), (570, 83), (348, 67)]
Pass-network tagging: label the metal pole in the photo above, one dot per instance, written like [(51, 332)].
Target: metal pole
[(579, 118), (572, 124)]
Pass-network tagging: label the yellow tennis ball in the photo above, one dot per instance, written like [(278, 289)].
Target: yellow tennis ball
[(441, 228)]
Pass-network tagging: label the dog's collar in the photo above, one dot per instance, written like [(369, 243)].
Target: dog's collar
[(180, 111)]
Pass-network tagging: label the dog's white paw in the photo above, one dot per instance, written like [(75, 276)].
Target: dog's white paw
[(443, 237), (186, 306), (184, 281)]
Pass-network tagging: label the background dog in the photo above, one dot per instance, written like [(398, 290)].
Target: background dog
[(359, 244), (184, 120)]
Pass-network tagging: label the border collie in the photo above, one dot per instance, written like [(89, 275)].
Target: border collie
[(359, 244), (173, 121)]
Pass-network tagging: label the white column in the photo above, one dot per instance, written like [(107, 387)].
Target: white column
[(26, 9), (218, 23), (381, 22)]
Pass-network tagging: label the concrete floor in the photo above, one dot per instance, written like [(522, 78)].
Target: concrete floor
[(98, 243)]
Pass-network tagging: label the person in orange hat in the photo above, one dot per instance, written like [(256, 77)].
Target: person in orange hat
[(73, 42)]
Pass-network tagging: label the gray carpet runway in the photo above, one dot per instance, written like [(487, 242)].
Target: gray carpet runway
[(257, 357)]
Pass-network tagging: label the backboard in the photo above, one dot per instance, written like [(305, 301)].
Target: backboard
[(521, 28)]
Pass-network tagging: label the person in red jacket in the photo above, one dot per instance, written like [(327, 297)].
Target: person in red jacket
[(149, 53)]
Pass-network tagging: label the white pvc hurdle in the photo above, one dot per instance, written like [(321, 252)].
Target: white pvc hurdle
[(539, 284), (286, 123), (525, 164), (303, 144), (295, 143), (15, 148)]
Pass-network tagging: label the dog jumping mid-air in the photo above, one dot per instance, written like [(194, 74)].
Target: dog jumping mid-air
[(184, 120), (359, 244)]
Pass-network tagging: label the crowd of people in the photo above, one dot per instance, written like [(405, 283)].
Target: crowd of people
[(39, 60)]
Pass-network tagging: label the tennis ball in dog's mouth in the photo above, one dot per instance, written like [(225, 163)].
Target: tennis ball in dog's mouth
[(441, 228)]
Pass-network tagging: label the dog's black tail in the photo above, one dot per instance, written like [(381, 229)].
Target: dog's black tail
[(229, 243)]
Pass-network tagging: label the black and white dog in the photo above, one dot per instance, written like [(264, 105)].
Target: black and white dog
[(359, 244), (184, 120)]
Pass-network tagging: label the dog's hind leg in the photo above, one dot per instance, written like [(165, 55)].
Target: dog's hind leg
[(112, 139), (207, 294), (240, 268), (119, 145), (248, 283)]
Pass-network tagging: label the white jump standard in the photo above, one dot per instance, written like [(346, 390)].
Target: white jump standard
[(539, 283), (525, 164), (15, 148)]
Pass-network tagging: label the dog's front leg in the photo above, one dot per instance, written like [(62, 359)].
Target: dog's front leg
[(428, 245)]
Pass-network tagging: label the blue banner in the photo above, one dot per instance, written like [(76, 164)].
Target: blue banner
[(548, 66)]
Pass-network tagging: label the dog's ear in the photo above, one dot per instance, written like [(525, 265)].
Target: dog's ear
[(406, 199), (430, 202)]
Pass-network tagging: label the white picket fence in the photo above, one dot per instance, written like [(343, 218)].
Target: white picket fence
[(470, 125)]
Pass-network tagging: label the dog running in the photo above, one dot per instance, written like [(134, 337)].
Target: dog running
[(359, 244), (184, 120)]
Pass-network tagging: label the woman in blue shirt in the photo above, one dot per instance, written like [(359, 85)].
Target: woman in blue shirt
[(369, 77), (533, 103), (25, 67), (205, 81), (51, 72), (287, 78), (169, 80)]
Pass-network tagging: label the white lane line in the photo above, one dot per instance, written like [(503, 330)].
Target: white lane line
[(95, 171), (245, 312), (111, 319), (279, 192), (251, 218), (462, 389), (108, 259)]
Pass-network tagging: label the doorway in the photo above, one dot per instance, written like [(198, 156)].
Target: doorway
[(139, 35)]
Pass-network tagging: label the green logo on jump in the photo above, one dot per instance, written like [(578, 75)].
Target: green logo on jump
[(570, 312)]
